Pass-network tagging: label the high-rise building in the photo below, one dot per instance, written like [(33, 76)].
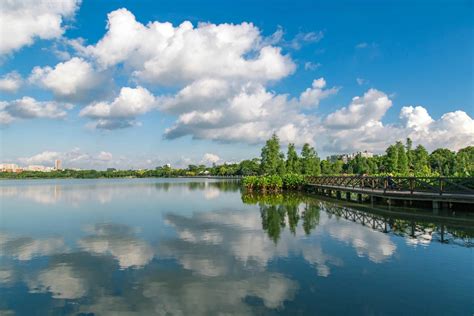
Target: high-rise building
[(57, 164)]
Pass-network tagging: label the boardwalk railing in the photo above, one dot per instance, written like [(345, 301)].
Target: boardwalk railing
[(438, 185)]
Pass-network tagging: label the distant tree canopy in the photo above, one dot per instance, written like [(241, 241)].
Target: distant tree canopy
[(399, 160)]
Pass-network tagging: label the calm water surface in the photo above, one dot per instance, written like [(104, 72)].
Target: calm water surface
[(200, 247)]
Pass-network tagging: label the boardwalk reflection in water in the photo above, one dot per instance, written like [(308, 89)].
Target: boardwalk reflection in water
[(201, 247)]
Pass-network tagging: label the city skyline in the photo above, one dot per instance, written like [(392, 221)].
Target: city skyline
[(126, 85)]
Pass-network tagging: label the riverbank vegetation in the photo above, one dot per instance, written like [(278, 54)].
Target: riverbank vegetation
[(399, 159)]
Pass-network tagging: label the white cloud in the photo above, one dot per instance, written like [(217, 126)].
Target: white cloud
[(416, 118), (243, 112), (370, 107), (362, 45), (122, 111), (312, 96), (161, 53), (105, 156), (73, 80), (45, 157), (309, 65), (303, 38), (359, 126), (453, 130), (29, 108), (74, 158), (5, 118), (21, 22), (10, 82), (210, 158)]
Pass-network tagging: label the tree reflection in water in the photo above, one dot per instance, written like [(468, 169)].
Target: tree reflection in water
[(278, 210)]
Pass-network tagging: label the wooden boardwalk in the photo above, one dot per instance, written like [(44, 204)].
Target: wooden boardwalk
[(437, 190)]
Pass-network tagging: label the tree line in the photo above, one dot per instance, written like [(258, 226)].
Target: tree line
[(399, 159)]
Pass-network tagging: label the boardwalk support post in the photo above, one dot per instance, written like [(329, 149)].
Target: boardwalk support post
[(435, 207)]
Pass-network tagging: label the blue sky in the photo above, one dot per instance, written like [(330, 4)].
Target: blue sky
[(342, 75)]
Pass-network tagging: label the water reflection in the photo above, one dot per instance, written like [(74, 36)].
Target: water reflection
[(79, 191), (119, 241), (283, 254), (278, 211), (26, 248)]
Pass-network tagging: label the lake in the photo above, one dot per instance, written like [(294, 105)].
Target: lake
[(201, 247)]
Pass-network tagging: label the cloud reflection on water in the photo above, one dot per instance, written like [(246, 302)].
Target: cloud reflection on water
[(223, 259)]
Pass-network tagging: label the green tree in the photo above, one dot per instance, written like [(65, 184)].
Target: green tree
[(465, 162), (391, 159), (310, 161), (402, 165), (249, 167), (271, 159), (292, 160), (326, 167), (420, 161), (409, 149), (443, 160), (337, 166), (359, 164)]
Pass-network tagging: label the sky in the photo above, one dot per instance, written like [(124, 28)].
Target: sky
[(137, 84)]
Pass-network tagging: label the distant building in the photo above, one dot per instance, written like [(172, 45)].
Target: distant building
[(348, 157), (168, 165), (10, 167), (334, 158), (111, 169), (57, 164)]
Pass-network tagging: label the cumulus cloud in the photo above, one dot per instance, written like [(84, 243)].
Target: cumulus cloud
[(359, 126), (10, 82), (41, 158), (122, 111), (105, 156), (370, 107), (29, 108), (21, 22), (75, 158), (312, 96), (416, 118), (73, 80), (453, 130), (210, 158), (248, 112), (162, 53)]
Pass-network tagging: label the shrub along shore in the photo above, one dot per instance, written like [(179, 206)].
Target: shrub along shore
[(273, 183)]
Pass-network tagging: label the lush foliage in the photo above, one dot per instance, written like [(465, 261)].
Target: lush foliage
[(273, 183)]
